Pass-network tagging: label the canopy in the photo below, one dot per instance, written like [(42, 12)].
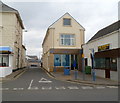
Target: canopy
[(6, 50)]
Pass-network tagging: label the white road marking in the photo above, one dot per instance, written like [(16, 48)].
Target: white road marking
[(46, 88), (43, 80), (87, 87), (112, 86), (73, 87), (33, 88), (18, 88), (30, 84), (100, 87), (59, 88), (4, 88)]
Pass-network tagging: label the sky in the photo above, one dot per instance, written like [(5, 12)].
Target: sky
[(37, 15)]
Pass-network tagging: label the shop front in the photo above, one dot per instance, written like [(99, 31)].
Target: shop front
[(65, 58), (108, 61), (6, 55)]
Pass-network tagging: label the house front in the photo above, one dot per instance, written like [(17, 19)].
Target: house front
[(62, 44), (107, 51), (11, 27)]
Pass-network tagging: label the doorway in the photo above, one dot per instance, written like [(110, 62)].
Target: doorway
[(74, 58), (107, 70)]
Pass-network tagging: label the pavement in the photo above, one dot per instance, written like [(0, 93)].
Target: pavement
[(88, 79), (13, 76)]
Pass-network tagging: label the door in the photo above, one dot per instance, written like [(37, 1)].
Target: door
[(72, 61), (107, 70)]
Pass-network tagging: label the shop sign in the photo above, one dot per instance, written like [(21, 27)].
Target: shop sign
[(104, 47)]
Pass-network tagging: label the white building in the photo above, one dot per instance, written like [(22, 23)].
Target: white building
[(107, 51), (12, 52)]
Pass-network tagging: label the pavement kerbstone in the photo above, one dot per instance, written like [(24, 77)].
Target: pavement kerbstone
[(69, 78), (13, 75)]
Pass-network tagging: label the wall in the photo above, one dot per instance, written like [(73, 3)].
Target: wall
[(52, 39), (12, 36), (106, 40), (111, 39)]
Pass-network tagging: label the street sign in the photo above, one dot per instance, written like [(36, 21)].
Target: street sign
[(43, 80)]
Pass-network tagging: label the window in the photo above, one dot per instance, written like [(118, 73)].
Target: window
[(67, 39), (61, 60), (66, 22), (106, 63), (57, 60), (4, 60)]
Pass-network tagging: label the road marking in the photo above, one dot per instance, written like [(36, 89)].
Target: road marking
[(18, 88), (33, 88), (112, 86), (4, 88), (87, 87), (30, 84), (73, 87), (43, 80), (100, 87), (60, 88), (46, 88)]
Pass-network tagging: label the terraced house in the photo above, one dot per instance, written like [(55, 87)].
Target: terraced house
[(62, 44), (12, 52)]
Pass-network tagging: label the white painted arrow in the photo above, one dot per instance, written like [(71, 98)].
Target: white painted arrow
[(43, 80)]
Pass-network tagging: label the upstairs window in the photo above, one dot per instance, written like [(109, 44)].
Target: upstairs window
[(67, 39), (66, 22)]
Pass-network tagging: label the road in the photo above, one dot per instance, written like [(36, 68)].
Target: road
[(36, 85)]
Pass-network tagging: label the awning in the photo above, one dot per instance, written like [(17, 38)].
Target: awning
[(112, 53), (6, 50)]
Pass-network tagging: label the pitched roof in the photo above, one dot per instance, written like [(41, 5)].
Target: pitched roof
[(63, 16), (56, 21), (6, 8), (105, 31)]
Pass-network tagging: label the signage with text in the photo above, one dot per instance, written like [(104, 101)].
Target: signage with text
[(104, 47)]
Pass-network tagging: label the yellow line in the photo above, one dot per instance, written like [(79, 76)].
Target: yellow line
[(19, 75)]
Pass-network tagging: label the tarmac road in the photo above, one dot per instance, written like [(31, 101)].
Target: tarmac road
[(36, 85)]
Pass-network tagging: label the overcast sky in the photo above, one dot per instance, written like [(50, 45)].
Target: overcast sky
[(93, 15)]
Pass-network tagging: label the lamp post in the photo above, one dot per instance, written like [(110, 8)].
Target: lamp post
[(93, 67)]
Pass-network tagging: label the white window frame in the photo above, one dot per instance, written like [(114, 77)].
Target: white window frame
[(72, 40)]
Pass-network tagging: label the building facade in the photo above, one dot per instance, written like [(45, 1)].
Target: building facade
[(107, 51), (62, 44), (32, 61), (11, 48)]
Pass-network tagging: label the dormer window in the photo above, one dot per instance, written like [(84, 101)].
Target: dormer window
[(66, 22)]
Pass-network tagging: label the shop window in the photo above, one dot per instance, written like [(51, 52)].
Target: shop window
[(100, 63), (106, 63), (4, 60), (57, 60), (113, 64), (65, 60), (61, 60)]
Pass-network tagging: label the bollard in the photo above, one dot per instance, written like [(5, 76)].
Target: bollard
[(76, 74), (94, 76)]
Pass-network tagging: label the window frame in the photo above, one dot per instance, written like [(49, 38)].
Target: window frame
[(64, 21), (62, 39), (7, 64)]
